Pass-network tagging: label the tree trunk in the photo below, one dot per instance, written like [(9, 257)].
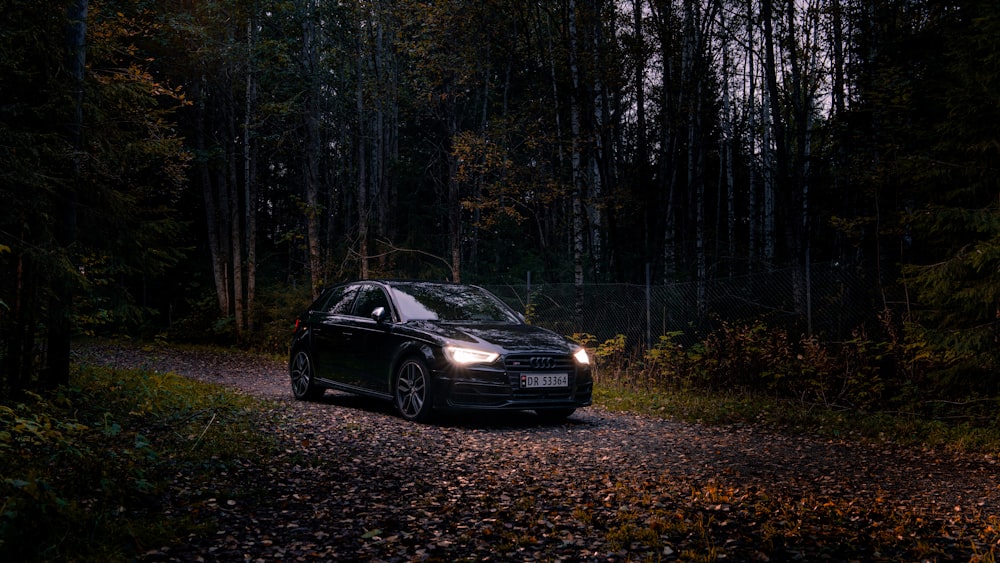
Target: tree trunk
[(224, 217), (313, 150), (837, 92), (767, 179), (693, 79), (670, 100), (595, 195), (362, 163), (544, 221), (235, 232), (250, 179), (775, 167), (454, 203), (61, 302), (798, 186), (208, 196), (728, 118), (753, 214), (642, 178), (21, 342), (576, 160)]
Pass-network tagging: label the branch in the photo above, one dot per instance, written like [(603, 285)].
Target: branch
[(393, 248), (207, 426)]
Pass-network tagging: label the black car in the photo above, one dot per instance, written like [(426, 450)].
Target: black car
[(428, 345)]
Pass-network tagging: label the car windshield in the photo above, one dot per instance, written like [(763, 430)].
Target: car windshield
[(450, 303)]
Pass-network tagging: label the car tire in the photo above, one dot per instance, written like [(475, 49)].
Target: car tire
[(411, 391), (551, 416), (303, 377)]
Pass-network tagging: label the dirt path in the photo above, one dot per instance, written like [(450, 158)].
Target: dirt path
[(355, 482)]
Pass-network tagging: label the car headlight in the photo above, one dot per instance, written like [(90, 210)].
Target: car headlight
[(465, 356), (581, 357)]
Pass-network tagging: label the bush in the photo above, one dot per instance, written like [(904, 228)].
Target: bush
[(899, 371), (274, 317), (670, 364)]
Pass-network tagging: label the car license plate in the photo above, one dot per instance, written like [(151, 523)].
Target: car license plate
[(537, 380)]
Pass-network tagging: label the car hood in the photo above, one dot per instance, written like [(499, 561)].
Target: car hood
[(505, 338)]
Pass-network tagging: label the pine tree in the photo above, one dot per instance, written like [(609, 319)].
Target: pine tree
[(954, 224)]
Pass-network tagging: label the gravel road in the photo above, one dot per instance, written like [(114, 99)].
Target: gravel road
[(356, 482)]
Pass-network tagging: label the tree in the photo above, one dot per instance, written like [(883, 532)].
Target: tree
[(576, 139), (443, 43), (35, 158), (217, 73), (66, 202), (376, 124), (952, 226), (88, 201)]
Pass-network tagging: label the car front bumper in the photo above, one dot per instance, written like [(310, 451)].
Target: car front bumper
[(485, 389)]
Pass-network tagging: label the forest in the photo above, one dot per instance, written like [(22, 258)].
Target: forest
[(196, 169)]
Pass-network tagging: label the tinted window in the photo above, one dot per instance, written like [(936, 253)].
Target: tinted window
[(369, 299), (341, 300), (444, 302), (324, 298)]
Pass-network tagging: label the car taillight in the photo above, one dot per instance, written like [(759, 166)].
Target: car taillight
[(297, 323)]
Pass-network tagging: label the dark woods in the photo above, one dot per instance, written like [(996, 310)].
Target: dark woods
[(195, 170)]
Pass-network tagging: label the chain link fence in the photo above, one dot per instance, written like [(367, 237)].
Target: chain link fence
[(829, 301)]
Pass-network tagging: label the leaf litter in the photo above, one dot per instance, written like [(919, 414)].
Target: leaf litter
[(352, 481)]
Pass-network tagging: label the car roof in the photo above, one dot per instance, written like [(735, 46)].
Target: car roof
[(390, 282)]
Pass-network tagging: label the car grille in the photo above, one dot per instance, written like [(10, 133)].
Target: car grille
[(536, 363), (517, 364)]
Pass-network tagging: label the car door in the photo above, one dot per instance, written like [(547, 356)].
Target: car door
[(331, 329), (370, 339)]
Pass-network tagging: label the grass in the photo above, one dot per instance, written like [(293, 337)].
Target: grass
[(795, 416), (91, 461)]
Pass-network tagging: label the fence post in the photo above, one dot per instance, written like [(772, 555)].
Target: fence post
[(649, 304)]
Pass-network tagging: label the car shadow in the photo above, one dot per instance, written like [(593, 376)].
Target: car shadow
[(503, 420), (358, 402), (477, 420)]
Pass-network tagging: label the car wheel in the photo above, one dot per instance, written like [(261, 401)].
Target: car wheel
[(301, 372), (411, 391), (554, 415)]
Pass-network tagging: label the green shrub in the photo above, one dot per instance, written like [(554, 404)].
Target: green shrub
[(756, 358), (82, 471), (669, 364)]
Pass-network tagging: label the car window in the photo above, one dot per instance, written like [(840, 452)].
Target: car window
[(320, 303), (341, 300), (370, 298), (446, 302)]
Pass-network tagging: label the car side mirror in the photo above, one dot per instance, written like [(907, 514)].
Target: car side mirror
[(380, 315)]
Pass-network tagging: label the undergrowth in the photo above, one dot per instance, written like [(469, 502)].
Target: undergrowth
[(93, 461), (889, 390)]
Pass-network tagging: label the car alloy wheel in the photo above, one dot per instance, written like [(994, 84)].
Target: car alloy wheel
[(301, 372), (412, 390)]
